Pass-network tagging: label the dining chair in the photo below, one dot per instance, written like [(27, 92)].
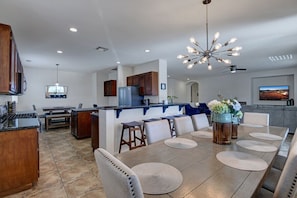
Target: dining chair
[(200, 121), (118, 179), (256, 118), (80, 105), (280, 160), (286, 184), (157, 130), (183, 125)]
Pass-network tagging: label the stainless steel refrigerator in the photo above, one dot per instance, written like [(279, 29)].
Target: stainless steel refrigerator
[(129, 96)]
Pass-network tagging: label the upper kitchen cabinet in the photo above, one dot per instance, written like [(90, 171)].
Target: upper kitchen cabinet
[(147, 82), (110, 88), (12, 76)]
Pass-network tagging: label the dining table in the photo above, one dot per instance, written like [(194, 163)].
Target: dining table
[(206, 170)]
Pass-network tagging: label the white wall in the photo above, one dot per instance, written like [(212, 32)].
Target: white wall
[(80, 89), (234, 85)]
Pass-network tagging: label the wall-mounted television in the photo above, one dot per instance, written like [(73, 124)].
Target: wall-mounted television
[(276, 92), (56, 91)]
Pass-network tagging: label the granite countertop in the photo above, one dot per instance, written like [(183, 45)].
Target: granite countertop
[(19, 124)]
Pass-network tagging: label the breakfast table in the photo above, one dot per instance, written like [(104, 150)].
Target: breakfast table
[(204, 168)]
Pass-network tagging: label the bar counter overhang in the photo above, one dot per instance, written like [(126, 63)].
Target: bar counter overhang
[(110, 119)]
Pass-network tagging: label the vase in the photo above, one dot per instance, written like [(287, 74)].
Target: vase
[(222, 128), (235, 123)]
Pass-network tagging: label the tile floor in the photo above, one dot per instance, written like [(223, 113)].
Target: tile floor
[(68, 168)]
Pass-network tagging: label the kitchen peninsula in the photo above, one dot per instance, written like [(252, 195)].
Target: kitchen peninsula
[(110, 119)]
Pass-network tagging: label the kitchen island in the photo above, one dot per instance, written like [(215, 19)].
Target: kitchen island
[(110, 119)]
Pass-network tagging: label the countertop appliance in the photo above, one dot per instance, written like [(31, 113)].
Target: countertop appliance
[(129, 96)]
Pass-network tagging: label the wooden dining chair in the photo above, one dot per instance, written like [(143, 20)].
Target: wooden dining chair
[(280, 160), (183, 125), (256, 118), (118, 179), (200, 121), (285, 184), (157, 130)]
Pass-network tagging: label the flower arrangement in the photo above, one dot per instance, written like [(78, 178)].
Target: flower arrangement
[(226, 106)]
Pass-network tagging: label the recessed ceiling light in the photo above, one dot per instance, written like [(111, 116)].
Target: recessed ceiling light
[(59, 51), (281, 57), (118, 62), (72, 29), (147, 51)]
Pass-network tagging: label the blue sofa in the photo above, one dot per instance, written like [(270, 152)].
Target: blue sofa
[(202, 108)]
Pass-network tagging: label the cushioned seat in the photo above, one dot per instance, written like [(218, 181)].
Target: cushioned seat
[(200, 121), (118, 179), (256, 118), (183, 125), (157, 130)]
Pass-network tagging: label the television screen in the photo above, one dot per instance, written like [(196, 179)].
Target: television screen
[(278, 92)]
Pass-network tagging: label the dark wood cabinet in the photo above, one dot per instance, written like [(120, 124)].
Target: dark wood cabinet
[(81, 123), (95, 130), (19, 156), (147, 83), (12, 76), (110, 88)]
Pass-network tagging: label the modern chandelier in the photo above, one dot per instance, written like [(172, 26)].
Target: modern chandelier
[(199, 55)]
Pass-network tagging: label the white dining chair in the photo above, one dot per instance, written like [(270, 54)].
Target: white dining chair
[(183, 125), (256, 118), (118, 179), (157, 130), (285, 181), (200, 121), (280, 160)]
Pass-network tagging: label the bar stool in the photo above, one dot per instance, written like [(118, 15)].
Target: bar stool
[(132, 128)]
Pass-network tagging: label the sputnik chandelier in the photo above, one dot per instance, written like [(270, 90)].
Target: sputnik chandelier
[(197, 54)]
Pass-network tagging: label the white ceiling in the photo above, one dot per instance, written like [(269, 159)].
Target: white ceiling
[(127, 27)]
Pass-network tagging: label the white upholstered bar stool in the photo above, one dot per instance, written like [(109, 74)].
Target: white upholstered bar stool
[(118, 179), (256, 118), (157, 130), (286, 185), (200, 121), (183, 125)]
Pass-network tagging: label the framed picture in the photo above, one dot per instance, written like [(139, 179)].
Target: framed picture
[(163, 86)]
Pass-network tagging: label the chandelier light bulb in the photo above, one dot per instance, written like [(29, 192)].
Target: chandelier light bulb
[(232, 40), (186, 61), (217, 46), (209, 67), (190, 66), (236, 48), (216, 36), (191, 49), (181, 56)]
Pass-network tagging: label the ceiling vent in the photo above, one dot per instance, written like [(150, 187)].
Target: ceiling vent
[(281, 58)]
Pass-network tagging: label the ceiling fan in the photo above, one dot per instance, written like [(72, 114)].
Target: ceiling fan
[(233, 69)]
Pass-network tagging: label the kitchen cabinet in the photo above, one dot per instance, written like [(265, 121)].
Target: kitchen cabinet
[(147, 83), (12, 76), (19, 156), (110, 88), (95, 130), (81, 123)]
